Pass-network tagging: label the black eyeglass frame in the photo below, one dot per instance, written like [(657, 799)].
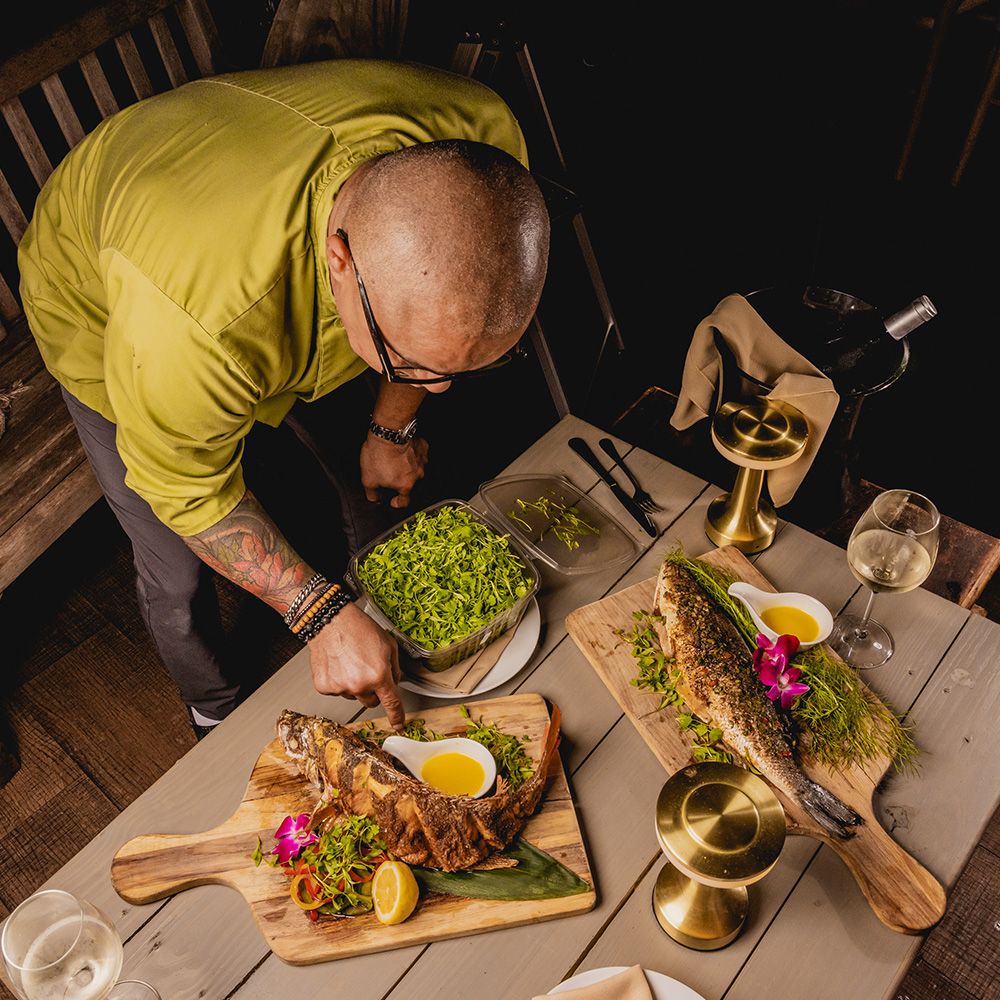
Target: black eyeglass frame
[(390, 371)]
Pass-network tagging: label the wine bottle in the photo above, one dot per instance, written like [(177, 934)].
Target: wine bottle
[(859, 334)]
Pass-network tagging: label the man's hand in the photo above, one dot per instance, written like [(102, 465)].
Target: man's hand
[(355, 658), (385, 465)]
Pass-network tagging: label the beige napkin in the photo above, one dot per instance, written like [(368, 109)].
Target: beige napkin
[(760, 352), (628, 985), (464, 676)]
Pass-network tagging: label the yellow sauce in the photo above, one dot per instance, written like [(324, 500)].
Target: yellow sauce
[(791, 621), (453, 773)]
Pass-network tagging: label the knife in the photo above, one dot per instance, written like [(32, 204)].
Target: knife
[(583, 450)]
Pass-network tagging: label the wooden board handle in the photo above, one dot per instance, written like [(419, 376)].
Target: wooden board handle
[(905, 896), (157, 865)]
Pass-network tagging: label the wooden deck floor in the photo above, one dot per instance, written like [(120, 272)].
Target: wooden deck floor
[(97, 720)]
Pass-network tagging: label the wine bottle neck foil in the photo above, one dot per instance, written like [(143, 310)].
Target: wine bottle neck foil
[(917, 312)]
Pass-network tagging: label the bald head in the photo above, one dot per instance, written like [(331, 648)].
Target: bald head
[(451, 236)]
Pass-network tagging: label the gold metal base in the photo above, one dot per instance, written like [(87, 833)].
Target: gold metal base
[(698, 916), (721, 829), (742, 518)]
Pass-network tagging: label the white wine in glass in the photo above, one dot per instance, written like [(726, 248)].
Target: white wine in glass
[(58, 947), (891, 550)]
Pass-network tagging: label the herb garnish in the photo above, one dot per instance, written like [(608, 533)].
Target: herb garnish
[(565, 522), (442, 577), (657, 673), (332, 874)]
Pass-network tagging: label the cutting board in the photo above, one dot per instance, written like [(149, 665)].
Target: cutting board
[(903, 894), (151, 867)]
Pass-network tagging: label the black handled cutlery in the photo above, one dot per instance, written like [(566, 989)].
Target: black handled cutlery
[(641, 517)]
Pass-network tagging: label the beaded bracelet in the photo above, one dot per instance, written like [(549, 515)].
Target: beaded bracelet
[(300, 597), (326, 615), (327, 595)]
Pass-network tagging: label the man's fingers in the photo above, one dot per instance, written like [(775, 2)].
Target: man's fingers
[(400, 500), (397, 673), (369, 699), (372, 494), (389, 696)]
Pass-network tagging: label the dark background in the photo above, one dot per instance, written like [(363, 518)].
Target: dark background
[(728, 147)]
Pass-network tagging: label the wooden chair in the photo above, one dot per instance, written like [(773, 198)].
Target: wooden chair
[(50, 96)]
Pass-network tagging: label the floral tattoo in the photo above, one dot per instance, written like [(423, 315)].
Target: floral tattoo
[(247, 548)]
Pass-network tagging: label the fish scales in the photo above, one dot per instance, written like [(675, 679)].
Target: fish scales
[(419, 824), (718, 681)]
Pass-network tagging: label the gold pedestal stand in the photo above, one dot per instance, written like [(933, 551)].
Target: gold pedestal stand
[(759, 436), (721, 828)]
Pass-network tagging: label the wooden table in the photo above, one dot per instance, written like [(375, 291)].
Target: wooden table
[(809, 929)]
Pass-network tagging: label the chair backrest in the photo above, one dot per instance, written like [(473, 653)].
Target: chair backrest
[(54, 93)]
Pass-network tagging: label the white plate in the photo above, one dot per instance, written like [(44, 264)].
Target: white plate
[(663, 987), (516, 654)]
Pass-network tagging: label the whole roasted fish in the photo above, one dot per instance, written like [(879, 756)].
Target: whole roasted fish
[(419, 824), (718, 681)]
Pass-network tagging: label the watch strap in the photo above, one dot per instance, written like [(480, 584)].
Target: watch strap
[(400, 436)]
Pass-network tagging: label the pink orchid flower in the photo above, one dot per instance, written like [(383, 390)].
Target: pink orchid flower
[(771, 663), (292, 836)]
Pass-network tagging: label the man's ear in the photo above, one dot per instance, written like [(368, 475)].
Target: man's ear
[(338, 257)]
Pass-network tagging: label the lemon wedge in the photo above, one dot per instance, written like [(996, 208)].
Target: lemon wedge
[(395, 892)]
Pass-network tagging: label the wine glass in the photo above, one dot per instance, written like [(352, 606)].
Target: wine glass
[(891, 550), (58, 947)]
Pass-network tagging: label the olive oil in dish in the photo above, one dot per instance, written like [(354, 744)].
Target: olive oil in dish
[(453, 773), (786, 620)]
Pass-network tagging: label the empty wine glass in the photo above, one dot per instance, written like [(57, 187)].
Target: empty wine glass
[(891, 550)]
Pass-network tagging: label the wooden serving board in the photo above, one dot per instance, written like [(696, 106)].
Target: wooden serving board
[(903, 894), (151, 867)]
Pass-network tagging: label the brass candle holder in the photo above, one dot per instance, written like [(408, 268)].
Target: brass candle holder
[(721, 829), (758, 436)]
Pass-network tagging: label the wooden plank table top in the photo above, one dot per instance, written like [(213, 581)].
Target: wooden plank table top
[(203, 942)]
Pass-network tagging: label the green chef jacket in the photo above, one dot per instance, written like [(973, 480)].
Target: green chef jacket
[(174, 274)]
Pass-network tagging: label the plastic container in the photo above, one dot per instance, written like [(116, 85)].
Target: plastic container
[(611, 548), (440, 659)]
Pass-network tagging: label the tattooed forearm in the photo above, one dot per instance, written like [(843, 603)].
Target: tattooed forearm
[(247, 548)]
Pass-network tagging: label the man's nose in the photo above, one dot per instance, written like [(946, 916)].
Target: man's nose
[(438, 386)]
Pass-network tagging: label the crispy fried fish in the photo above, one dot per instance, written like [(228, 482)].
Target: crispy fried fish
[(717, 680), (419, 824)]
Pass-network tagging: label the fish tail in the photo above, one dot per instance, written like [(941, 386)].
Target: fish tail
[(833, 815), (551, 739), (550, 742)]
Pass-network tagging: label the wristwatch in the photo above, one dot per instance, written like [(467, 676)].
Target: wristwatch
[(395, 436)]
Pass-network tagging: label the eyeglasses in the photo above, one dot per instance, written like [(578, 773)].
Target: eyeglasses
[(391, 371)]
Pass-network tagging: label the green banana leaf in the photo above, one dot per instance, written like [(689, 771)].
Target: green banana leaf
[(537, 876)]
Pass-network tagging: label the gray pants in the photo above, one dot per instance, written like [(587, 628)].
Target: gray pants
[(176, 591)]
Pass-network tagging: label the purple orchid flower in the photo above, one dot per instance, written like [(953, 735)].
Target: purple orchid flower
[(771, 661), (293, 834)]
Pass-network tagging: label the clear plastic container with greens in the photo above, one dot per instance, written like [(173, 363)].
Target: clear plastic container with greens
[(395, 589)]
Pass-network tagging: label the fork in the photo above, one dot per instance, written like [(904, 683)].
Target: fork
[(641, 496)]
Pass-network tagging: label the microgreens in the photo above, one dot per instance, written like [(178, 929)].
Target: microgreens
[(566, 523), (443, 576)]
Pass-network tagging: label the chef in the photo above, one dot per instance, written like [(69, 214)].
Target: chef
[(208, 257)]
